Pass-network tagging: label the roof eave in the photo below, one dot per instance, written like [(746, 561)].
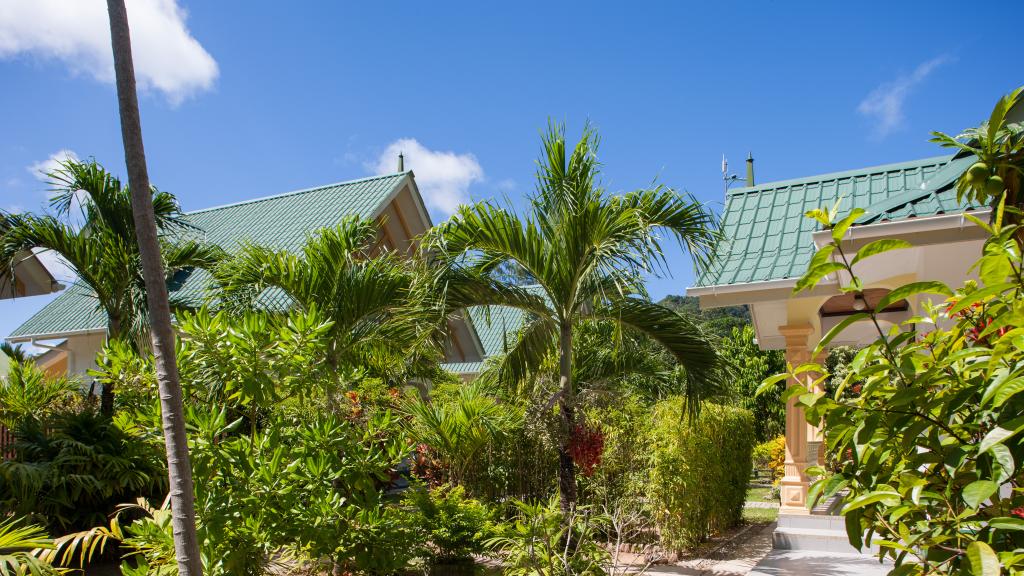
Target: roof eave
[(21, 338)]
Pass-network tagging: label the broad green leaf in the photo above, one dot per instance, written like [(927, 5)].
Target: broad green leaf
[(1000, 434), (879, 247), (813, 276), (983, 225), (979, 295), (887, 497), (1004, 462), (821, 256), (819, 214), (853, 529), (1007, 523), (907, 290), (994, 269), (976, 493), (839, 230), (835, 330), (983, 559), (770, 383), (1001, 390)]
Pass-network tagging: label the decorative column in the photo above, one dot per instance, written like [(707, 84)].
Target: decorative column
[(795, 483)]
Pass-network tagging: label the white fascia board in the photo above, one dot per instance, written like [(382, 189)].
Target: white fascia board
[(55, 335), (905, 227), (741, 287)]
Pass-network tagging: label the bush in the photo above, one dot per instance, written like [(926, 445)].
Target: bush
[(700, 471), (455, 527), (624, 471), (73, 469), (543, 540), (771, 456)]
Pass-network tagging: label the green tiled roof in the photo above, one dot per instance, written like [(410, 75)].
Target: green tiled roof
[(281, 222), (496, 327), (767, 236)]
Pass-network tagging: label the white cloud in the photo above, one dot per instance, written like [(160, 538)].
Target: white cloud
[(77, 32), (43, 167), (443, 177), (885, 103)]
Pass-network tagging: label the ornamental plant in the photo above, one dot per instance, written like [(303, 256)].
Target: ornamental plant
[(930, 449)]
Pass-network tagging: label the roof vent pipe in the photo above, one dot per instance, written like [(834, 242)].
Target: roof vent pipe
[(401, 162), (750, 169)]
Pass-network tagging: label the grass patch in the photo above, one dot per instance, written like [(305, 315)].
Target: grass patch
[(760, 515), (759, 495)]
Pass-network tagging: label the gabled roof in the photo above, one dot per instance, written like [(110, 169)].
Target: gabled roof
[(767, 237), (281, 222)]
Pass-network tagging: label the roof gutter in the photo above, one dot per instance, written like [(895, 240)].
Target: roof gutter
[(741, 287), (905, 227), (31, 338)]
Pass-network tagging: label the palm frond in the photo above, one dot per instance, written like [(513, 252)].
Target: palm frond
[(703, 369)]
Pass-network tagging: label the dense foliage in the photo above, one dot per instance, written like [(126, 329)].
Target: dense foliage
[(587, 252), (719, 322), (700, 471), (454, 527), (930, 448)]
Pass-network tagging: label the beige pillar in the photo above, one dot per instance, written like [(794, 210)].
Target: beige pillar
[(794, 484)]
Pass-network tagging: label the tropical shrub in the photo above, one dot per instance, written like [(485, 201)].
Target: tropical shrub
[(455, 527), (456, 431), (624, 471), (542, 539), (71, 470), (771, 456), (930, 449), (700, 471), (28, 393)]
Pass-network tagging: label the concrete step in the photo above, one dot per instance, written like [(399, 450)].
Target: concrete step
[(814, 563), (820, 533)]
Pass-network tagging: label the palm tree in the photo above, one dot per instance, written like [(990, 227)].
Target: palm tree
[(93, 232), (369, 299), (172, 409), (587, 251)]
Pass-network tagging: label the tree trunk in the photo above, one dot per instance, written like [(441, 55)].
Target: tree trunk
[(183, 520), (567, 410)]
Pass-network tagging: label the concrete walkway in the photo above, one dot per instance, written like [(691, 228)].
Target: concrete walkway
[(813, 563), (736, 556), (749, 552)]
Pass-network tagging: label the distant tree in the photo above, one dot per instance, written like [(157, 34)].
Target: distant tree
[(751, 366), (716, 321)]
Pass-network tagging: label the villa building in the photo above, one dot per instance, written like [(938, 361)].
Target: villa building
[(73, 329), (769, 243)]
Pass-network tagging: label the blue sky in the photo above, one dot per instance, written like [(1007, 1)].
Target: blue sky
[(246, 99)]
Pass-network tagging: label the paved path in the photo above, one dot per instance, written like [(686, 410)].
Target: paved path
[(760, 504), (735, 556), (811, 563)]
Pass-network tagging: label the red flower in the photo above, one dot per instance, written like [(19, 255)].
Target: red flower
[(1018, 511)]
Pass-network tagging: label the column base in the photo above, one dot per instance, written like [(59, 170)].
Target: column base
[(793, 496)]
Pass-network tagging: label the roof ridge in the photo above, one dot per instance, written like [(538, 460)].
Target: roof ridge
[(845, 174), (296, 192)]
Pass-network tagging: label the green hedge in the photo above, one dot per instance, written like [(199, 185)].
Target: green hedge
[(700, 471)]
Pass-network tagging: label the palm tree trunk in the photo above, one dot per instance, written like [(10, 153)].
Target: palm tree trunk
[(183, 520), (567, 410)]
